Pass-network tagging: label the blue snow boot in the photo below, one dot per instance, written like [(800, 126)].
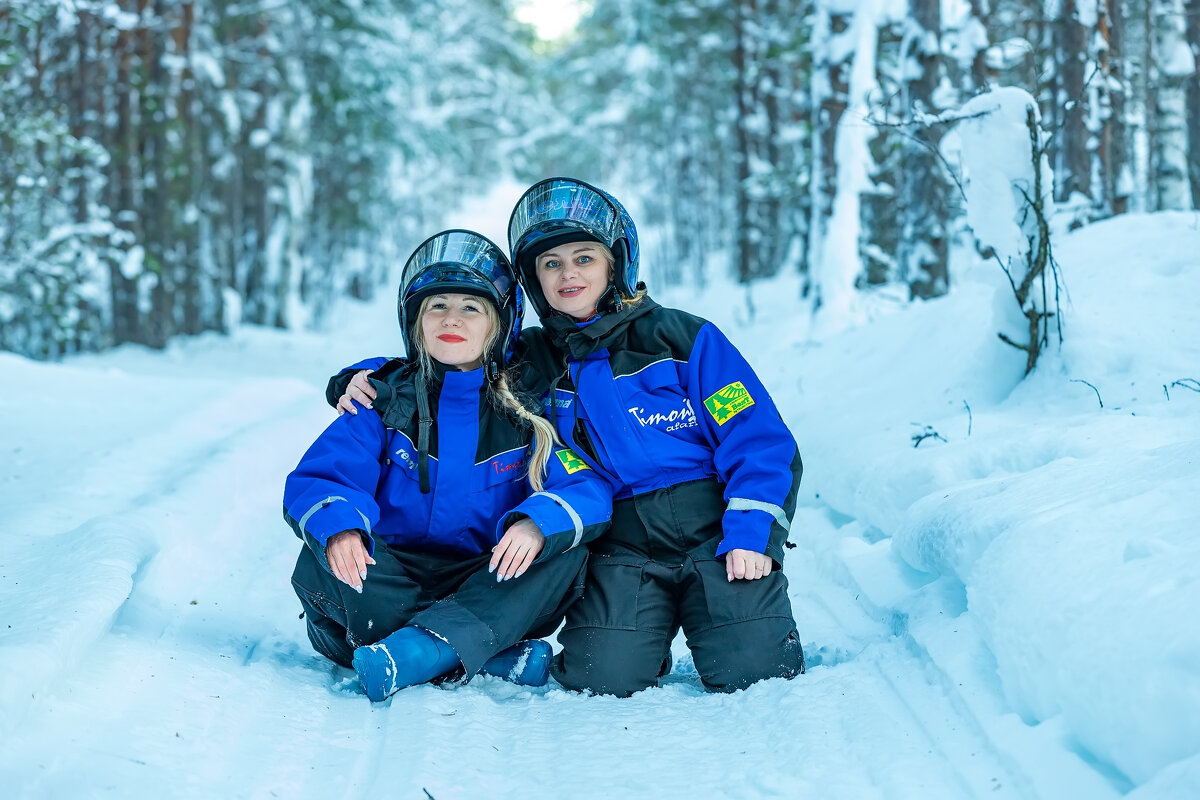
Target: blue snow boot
[(409, 656), (526, 663)]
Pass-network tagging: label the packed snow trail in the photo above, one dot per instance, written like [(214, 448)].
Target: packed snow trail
[(150, 640), (170, 655)]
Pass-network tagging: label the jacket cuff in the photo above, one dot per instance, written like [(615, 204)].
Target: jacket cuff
[(334, 515), (558, 521), (755, 530)]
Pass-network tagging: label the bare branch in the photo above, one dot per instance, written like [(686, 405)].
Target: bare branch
[(927, 433), (1094, 389)]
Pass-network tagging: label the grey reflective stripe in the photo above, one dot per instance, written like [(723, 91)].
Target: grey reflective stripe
[(648, 366), (744, 504), (318, 506), (575, 520)]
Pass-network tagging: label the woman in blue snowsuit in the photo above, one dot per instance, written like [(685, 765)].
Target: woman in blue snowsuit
[(704, 470), (445, 528)]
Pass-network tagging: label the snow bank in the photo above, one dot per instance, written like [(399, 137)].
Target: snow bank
[(1071, 526)]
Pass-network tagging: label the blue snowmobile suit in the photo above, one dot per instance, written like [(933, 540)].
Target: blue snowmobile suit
[(653, 397), (701, 463), (361, 473), (432, 548)]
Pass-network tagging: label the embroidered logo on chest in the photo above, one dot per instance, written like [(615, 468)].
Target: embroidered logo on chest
[(669, 420), (725, 404), (501, 468)]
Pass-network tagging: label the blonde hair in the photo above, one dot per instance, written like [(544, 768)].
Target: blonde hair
[(607, 252), (544, 435), (499, 393)]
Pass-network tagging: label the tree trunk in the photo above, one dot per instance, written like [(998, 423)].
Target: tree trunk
[(924, 248), (980, 75), (1111, 140), (1173, 69), (828, 108), (743, 225), (1073, 173), (1193, 100)]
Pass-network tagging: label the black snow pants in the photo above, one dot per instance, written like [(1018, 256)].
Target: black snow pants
[(452, 596), (655, 572)]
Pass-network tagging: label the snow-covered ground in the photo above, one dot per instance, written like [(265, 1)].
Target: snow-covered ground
[(1006, 610)]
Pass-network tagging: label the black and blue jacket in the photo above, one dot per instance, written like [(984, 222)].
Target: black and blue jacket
[(362, 473), (653, 397)]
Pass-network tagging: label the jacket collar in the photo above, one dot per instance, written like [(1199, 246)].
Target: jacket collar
[(581, 341), (396, 399)]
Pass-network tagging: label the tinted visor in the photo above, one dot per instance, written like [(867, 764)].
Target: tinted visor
[(459, 257), (557, 205)]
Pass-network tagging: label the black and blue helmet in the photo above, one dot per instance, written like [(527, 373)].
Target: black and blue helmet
[(560, 210), (463, 262)]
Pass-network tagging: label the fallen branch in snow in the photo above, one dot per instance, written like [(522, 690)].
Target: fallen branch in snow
[(1038, 260), (970, 418), (1094, 389), (1191, 384), (927, 433)]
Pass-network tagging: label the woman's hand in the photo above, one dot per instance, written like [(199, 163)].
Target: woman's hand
[(747, 565), (359, 389), (516, 550), (348, 558)]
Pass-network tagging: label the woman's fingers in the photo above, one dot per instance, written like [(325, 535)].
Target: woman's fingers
[(516, 550), (525, 562), (364, 392), (345, 573), (360, 562), (510, 560), (747, 565), (359, 389), (359, 395), (347, 557), (736, 569), (511, 553), (498, 553)]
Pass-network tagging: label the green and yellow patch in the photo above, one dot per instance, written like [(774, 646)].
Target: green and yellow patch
[(571, 462), (725, 404)]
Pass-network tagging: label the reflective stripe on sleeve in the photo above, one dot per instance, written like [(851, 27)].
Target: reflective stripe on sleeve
[(322, 504), (575, 520), (745, 504)]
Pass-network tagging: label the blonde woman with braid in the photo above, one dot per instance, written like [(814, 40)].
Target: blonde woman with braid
[(444, 532)]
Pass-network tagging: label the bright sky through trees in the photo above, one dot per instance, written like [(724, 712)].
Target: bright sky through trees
[(551, 18)]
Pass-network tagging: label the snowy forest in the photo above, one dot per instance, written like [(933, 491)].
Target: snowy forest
[(179, 166)]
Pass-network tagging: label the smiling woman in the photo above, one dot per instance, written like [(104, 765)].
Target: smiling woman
[(552, 19)]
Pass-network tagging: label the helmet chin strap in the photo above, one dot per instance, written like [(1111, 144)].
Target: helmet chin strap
[(426, 422), (610, 300)]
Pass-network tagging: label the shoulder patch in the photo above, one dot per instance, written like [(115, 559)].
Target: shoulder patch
[(571, 462), (724, 404)]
